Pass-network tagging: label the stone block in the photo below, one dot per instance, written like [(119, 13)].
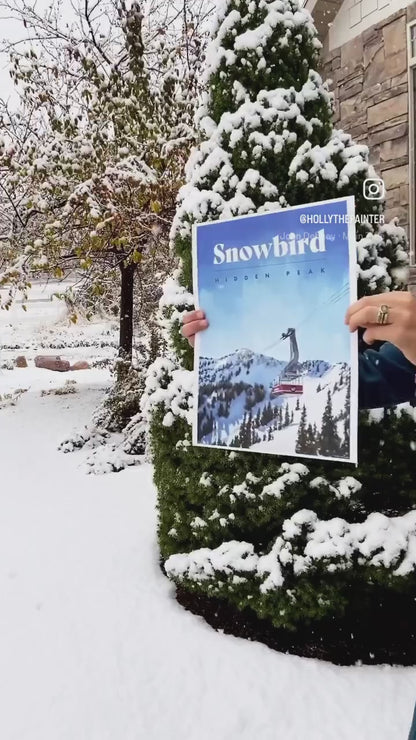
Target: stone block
[(48, 362), (355, 124), (374, 71), (350, 91), (393, 197), (20, 361), (371, 49), (345, 73), (359, 133), (353, 80), (369, 91), (372, 35), (394, 35), (394, 131), (352, 52), (405, 194), (396, 64), (399, 212), (80, 365), (394, 149), (387, 110), (348, 108), (386, 94), (400, 79), (360, 138), (374, 155), (395, 176), (398, 162)]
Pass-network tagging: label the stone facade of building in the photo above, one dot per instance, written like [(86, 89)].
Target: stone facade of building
[(370, 81)]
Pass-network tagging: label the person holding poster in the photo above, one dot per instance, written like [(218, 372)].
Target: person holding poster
[(387, 377), (277, 373)]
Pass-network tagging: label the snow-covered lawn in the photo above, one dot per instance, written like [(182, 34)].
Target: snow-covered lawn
[(93, 645), (43, 329)]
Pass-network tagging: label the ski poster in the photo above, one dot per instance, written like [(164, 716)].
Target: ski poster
[(277, 369)]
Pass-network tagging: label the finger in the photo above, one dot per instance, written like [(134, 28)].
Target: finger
[(398, 298), (380, 334), (369, 338), (189, 330), (193, 316), (369, 316)]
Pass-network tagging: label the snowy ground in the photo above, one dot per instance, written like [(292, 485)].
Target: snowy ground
[(43, 329), (93, 645)]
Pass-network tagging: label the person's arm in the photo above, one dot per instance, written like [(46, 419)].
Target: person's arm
[(386, 378)]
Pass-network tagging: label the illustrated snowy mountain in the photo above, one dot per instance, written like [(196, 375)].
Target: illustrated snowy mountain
[(239, 408), (253, 368)]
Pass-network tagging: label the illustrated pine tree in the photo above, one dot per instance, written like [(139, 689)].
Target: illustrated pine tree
[(287, 416), (329, 441), (346, 441), (301, 442), (258, 418), (250, 431), (312, 557), (311, 447)]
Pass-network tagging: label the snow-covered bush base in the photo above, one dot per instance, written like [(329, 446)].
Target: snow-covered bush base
[(307, 542), (107, 452), (88, 438), (110, 458), (118, 433)]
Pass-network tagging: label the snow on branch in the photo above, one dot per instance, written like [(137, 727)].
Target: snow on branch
[(307, 543)]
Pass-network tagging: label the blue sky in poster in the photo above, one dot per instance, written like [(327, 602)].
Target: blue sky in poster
[(250, 304)]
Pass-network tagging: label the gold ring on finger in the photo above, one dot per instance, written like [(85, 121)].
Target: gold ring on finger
[(383, 315)]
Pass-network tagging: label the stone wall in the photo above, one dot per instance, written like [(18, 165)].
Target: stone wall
[(370, 82)]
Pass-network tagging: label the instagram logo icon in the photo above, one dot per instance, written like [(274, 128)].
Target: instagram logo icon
[(374, 189)]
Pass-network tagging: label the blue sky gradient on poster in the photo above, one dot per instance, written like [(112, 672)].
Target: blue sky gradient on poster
[(312, 287)]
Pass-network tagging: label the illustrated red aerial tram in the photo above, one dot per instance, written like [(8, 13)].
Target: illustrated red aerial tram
[(290, 382)]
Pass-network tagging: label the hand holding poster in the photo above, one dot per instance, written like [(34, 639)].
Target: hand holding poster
[(277, 368)]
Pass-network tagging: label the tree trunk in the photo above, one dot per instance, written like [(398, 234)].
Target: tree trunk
[(126, 311)]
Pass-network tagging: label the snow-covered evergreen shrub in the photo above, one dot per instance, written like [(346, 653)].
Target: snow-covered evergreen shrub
[(122, 402), (302, 545)]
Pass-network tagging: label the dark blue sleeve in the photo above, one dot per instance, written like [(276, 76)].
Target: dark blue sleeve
[(386, 378)]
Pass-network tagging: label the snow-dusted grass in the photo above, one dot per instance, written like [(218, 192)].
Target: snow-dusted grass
[(93, 645)]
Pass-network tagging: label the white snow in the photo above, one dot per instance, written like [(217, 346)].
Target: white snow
[(378, 541), (93, 645), (44, 329)]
